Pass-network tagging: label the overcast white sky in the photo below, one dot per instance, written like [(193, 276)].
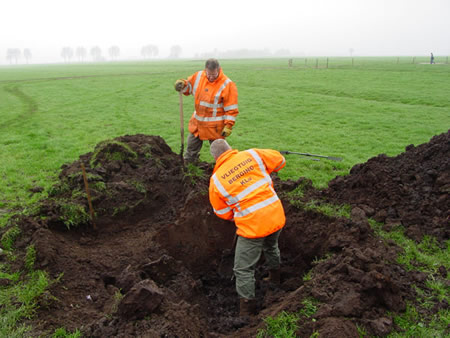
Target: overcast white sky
[(310, 28)]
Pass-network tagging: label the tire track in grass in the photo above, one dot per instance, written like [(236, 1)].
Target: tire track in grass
[(30, 105), (347, 96), (58, 78)]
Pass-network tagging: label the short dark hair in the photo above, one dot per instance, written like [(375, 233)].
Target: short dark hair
[(212, 64)]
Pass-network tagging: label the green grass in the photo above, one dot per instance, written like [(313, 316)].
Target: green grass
[(425, 256), (51, 114), (285, 324), (19, 302)]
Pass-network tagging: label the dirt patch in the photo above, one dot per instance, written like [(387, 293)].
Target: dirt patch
[(411, 189), (151, 268)]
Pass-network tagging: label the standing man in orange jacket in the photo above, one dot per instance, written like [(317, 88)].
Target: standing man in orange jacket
[(216, 106), (241, 189)]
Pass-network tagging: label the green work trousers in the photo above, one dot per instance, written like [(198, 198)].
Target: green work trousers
[(247, 254), (194, 145)]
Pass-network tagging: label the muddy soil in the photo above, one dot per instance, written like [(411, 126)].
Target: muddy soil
[(153, 264), (411, 189)]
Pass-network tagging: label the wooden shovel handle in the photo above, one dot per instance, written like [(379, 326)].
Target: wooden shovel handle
[(181, 122)]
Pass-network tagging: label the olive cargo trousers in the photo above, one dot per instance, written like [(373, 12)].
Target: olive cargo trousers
[(247, 254)]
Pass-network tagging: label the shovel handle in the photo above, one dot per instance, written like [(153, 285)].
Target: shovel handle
[(181, 123)]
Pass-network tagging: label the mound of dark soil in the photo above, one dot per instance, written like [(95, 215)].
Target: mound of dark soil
[(153, 265), (411, 189)]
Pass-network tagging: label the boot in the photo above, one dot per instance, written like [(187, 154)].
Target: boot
[(274, 276), (247, 307)]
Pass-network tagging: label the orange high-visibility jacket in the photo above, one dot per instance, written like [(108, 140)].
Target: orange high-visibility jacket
[(241, 188), (216, 104)]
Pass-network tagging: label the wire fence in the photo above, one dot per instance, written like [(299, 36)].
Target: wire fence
[(346, 62)]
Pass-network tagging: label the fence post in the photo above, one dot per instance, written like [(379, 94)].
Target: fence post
[(398, 59), (352, 62), (317, 63), (327, 63), (306, 61), (414, 60)]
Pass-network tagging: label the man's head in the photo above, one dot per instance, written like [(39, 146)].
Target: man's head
[(218, 147), (212, 69)]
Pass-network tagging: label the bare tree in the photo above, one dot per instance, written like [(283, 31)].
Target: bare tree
[(13, 54), (155, 50), (351, 51), (114, 52), (145, 52), (175, 51), (96, 53), (27, 54), (80, 53), (67, 53), (148, 51)]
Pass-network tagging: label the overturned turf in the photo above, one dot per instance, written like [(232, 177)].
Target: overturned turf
[(411, 189), (152, 265)]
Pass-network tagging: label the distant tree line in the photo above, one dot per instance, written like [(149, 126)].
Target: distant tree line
[(80, 53), (14, 54)]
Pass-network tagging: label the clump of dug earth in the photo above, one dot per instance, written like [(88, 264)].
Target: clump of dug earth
[(153, 264)]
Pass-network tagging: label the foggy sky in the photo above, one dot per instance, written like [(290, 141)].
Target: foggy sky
[(305, 28)]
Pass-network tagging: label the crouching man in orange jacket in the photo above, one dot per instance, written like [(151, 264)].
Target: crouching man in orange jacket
[(241, 189), (216, 106)]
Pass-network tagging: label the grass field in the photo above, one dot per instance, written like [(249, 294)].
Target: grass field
[(51, 114)]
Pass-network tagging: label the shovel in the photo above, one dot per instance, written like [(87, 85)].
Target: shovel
[(227, 261), (181, 127), (332, 158)]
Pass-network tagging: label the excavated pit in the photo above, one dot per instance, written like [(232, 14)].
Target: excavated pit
[(156, 263)]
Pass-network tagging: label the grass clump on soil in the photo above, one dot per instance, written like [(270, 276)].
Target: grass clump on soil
[(286, 324), (112, 150), (412, 324), (193, 173), (30, 257), (19, 301), (425, 256), (73, 214), (139, 186), (327, 209), (62, 333), (428, 258), (118, 296), (9, 237), (283, 325)]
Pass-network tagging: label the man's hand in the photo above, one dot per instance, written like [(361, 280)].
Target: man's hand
[(226, 131), (180, 84)]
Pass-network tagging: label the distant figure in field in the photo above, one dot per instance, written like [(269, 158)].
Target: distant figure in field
[(432, 59), (290, 62)]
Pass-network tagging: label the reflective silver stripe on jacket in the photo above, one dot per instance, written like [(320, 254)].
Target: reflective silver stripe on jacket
[(255, 207), (236, 199), (228, 108), (210, 105), (260, 163), (214, 119), (188, 88), (217, 97), (221, 189), (278, 168), (251, 188), (197, 81), (222, 211)]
